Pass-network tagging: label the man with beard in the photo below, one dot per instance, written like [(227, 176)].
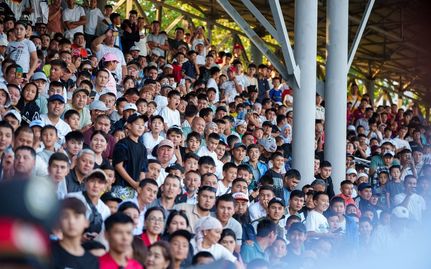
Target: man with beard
[(206, 200), (242, 216), (171, 188)]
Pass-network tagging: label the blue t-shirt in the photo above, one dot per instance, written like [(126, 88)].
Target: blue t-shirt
[(275, 95)]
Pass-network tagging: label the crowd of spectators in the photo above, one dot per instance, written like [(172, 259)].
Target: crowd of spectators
[(166, 152)]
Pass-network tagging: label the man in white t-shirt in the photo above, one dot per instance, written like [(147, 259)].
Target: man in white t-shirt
[(101, 50), (94, 16), (409, 199), (74, 19), (55, 110), (232, 87), (156, 41)]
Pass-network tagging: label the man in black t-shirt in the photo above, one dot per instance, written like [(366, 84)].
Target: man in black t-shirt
[(68, 252)]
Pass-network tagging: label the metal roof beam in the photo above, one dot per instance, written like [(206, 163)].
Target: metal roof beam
[(360, 32), (258, 15), (251, 34)]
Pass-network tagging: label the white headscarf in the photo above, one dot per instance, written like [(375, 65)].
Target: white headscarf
[(204, 224)]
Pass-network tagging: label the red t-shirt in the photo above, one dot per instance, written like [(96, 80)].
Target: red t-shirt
[(107, 262)]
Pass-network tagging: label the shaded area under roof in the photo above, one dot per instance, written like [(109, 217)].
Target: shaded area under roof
[(392, 47)]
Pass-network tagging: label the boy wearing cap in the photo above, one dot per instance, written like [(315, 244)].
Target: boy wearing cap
[(97, 211), (56, 104), (130, 159), (68, 252)]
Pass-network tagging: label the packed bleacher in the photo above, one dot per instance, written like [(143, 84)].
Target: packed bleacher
[(123, 146)]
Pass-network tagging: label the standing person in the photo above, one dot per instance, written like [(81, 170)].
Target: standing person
[(74, 19), (157, 42), (94, 17), (68, 252), (55, 21), (130, 159), (119, 234), (23, 51)]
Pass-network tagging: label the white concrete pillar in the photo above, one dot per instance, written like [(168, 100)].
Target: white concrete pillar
[(335, 88), (304, 105)]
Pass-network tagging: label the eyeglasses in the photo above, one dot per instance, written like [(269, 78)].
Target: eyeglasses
[(155, 220)]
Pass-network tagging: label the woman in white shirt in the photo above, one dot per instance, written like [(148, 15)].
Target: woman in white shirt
[(208, 233)]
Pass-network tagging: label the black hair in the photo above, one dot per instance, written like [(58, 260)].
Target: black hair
[(206, 160), (228, 166), (325, 164), (74, 135), (227, 232), (206, 111), (345, 182), (265, 227), (27, 148), (173, 93), (195, 135), (49, 127), (293, 173), (147, 181), (70, 113), (153, 209), (224, 198), (337, 199), (5, 124), (318, 194), (126, 205), (215, 136), (117, 218), (201, 254), (172, 215), (74, 204), (297, 193)]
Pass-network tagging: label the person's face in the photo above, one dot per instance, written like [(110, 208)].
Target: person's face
[(212, 235), (291, 183), (154, 223), (120, 237), (225, 211), (278, 162), (102, 124), (229, 243), (102, 79), (176, 138), (230, 174), (322, 203), (74, 146), (241, 206), (165, 154), (240, 186), (49, 137), (55, 90), (347, 189), (95, 187), (325, 172), (365, 228), (153, 74), (193, 144), (55, 108), (206, 200), (264, 197), (174, 101), (24, 139), (153, 170), (6, 137), (133, 214), (98, 143), (191, 164), (85, 164), (137, 127), (192, 181), (279, 248), (14, 95), (56, 72), (79, 101), (275, 211), (296, 203), (178, 223), (29, 93), (24, 162), (395, 173), (148, 193), (339, 208), (411, 184), (179, 248), (156, 259), (198, 125), (72, 224), (20, 31), (366, 194), (239, 154), (113, 206), (171, 188)]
